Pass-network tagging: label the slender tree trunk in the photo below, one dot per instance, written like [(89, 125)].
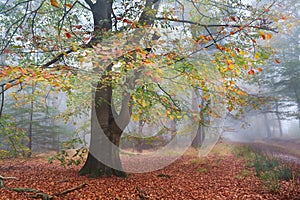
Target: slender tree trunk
[(267, 125), (30, 124), (198, 139), (278, 119), (200, 135)]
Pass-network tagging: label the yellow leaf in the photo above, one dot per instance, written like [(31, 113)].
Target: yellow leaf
[(231, 66), (74, 47), (54, 3), (144, 103), (260, 32), (257, 55), (135, 117)]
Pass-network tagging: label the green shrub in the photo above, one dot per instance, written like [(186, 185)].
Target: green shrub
[(267, 169), (262, 163), (285, 173), (271, 181)]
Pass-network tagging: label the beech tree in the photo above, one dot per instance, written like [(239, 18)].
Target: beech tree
[(130, 53)]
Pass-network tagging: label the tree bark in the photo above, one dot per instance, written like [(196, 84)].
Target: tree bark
[(107, 125), (106, 130), (198, 139)]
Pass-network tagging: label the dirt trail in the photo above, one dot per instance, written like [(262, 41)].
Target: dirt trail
[(285, 149)]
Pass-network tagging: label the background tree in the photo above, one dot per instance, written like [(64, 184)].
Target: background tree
[(69, 35), (280, 80)]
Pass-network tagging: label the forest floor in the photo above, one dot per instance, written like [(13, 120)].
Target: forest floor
[(220, 175)]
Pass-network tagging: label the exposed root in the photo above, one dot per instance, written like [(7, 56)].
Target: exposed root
[(37, 193)]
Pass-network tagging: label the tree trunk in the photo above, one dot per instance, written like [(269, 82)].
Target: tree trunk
[(106, 130), (30, 124), (278, 118), (268, 129), (198, 139), (107, 125)]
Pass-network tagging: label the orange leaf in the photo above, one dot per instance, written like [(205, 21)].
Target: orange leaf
[(54, 3), (251, 72), (233, 18), (22, 71), (8, 85), (17, 82), (69, 5), (127, 21), (68, 35), (283, 17), (260, 69), (277, 61), (263, 37), (78, 26)]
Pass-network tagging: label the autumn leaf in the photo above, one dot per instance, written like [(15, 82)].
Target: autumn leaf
[(127, 21), (283, 17), (135, 117), (78, 26), (269, 36), (7, 51), (69, 5), (54, 3), (251, 72), (8, 85), (68, 35), (233, 18), (260, 69), (277, 61)]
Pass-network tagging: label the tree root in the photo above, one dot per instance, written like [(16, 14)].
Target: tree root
[(38, 193)]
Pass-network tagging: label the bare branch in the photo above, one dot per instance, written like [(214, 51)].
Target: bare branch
[(61, 21), (2, 100), (21, 20), (216, 25), (171, 98), (16, 5)]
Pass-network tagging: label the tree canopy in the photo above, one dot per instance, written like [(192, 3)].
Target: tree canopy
[(137, 60)]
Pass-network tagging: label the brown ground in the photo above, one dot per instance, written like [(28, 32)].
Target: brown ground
[(217, 176)]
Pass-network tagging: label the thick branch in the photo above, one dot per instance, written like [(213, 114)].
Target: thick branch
[(90, 3), (70, 190)]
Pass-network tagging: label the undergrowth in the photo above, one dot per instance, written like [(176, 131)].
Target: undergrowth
[(267, 169)]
